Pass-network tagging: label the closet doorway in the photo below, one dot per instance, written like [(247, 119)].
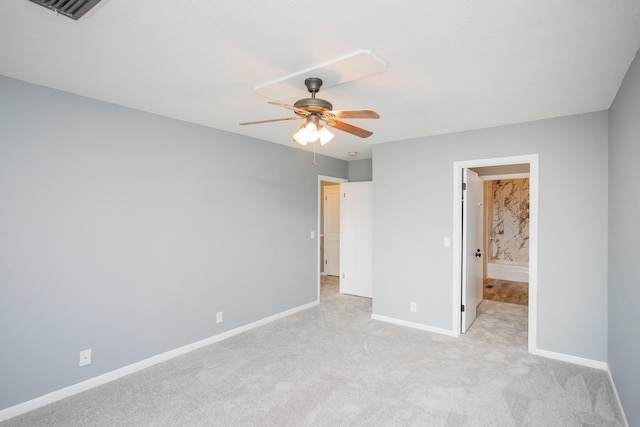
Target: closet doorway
[(328, 227)]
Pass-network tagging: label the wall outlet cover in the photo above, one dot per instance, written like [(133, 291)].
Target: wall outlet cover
[(85, 357)]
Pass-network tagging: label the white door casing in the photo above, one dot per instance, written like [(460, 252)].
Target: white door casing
[(458, 166), (471, 283), (356, 217)]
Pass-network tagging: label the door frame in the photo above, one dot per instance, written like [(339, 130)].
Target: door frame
[(321, 178), (458, 166)]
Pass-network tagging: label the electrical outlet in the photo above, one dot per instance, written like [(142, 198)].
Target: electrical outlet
[(412, 307), (219, 317), (85, 357)]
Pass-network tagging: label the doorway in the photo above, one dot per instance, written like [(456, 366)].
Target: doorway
[(330, 229), (459, 237), (333, 241), (506, 233)]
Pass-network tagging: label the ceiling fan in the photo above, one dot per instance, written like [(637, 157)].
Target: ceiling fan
[(315, 111)]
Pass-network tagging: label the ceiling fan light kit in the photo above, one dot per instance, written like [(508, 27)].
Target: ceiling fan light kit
[(310, 132), (316, 110)]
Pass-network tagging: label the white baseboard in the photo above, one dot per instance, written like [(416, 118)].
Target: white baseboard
[(617, 396), (596, 364), (414, 325), (63, 393)]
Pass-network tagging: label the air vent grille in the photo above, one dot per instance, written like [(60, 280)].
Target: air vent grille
[(71, 8)]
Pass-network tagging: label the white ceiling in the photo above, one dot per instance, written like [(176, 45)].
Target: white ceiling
[(452, 65)]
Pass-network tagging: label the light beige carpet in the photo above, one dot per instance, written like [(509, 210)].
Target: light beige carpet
[(333, 366)]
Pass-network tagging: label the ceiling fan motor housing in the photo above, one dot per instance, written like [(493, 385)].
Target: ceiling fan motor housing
[(313, 104)]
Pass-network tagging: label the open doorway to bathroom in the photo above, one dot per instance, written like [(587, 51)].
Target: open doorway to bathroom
[(502, 254), (505, 233)]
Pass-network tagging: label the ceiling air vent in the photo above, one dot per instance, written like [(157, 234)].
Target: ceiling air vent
[(70, 8)]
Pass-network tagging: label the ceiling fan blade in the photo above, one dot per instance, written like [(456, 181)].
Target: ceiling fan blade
[(353, 114), (346, 127), (290, 107), (271, 120)]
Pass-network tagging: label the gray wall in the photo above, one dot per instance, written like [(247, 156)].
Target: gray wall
[(360, 170), (624, 233), (126, 232), (412, 211)]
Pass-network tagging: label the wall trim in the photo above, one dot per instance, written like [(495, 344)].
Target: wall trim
[(590, 363), (617, 396), (414, 325), (596, 364), (99, 380)]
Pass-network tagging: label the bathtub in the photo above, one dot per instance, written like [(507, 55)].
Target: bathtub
[(513, 271)]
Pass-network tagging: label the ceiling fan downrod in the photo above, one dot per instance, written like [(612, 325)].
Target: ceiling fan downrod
[(313, 104)]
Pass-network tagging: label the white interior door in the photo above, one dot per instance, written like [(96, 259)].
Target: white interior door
[(331, 215), (471, 247), (356, 218)]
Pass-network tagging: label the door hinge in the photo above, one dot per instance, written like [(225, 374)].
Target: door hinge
[(462, 308), (464, 186), (344, 195), (325, 262), (343, 275)]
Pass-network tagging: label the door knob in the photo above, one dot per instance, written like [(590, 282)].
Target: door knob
[(478, 254)]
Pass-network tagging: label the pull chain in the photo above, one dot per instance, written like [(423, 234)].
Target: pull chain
[(314, 153)]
